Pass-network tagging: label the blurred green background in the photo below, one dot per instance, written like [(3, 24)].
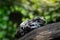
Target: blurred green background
[(13, 12)]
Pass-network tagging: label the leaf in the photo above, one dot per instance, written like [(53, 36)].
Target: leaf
[(2, 34)]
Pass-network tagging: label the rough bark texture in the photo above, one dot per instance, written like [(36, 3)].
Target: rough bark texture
[(48, 32)]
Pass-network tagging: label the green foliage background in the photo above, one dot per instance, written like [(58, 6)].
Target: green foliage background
[(49, 9)]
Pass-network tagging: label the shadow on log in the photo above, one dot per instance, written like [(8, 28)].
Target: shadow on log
[(48, 32)]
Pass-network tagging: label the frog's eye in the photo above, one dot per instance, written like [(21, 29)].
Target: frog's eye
[(21, 27)]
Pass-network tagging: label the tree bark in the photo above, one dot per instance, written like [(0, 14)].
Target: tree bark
[(48, 32)]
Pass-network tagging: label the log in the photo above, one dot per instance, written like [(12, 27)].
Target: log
[(47, 32)]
